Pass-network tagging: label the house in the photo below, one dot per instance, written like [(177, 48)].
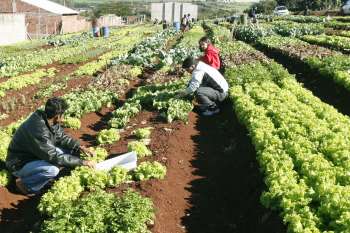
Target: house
[(43, 17)]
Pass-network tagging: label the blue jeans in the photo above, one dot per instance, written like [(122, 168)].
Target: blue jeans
[(36, 174)]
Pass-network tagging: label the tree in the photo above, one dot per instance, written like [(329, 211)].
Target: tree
[(311, 4), (264, 6)]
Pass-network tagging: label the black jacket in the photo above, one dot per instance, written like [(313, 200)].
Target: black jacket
[(36, 140)]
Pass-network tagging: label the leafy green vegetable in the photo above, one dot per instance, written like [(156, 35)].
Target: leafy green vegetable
[(178, 110), (5, 142), (101, 154), (122, 115), (23, 61), (65, 190), (101, 212), (149, 170), (4, 178), (140, 148), (72, 122), (84, 101), (143, 132), (334, 42), (22, 81), (91, 179), (135, 71), (301, 144), (68, 189), (117, 176), (108, 136)]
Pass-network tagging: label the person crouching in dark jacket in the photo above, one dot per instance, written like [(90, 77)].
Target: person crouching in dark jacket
[(40, 146)]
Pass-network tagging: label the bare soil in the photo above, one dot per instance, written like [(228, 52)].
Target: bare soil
[(213, 182), (305, 51), (30, 104), (19, 103)]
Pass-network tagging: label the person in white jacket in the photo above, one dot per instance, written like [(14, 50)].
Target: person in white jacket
[(207, 84)]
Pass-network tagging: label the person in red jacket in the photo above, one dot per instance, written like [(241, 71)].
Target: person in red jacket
[(211, 54)]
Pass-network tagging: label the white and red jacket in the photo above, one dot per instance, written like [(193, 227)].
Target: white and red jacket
[(205, 75)]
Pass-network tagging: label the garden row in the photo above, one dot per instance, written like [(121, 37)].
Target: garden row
[(83, 50), (61, 79), (301, 142), (113, 216), (156, 97), (327, 63), (338, 23), (89, 99)]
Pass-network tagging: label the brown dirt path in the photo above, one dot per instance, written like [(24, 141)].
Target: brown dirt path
[(213, 183), (170, 196)]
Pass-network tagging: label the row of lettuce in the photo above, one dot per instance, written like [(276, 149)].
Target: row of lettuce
[(147, 55), (93, 97), (327, 63), (337, 22), (115, 217), (52, 40), (310, 32), (96, 95), (121, 45), (82, 51), (301, 143)]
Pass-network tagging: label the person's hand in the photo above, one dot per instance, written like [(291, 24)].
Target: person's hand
[(89, 163), (180, 94), (87, 151)]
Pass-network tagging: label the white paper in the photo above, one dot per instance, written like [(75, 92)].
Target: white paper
[(127, 161)]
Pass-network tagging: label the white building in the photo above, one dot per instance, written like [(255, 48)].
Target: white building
[(12, 28), (173, 11)]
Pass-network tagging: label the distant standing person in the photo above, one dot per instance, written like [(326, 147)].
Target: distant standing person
[(211, 54), (184, 23), (188, 25), (40, 146), (96, 31), (207, 84), (253, 15), (165, 25)]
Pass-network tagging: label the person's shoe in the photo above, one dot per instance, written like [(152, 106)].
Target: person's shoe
[(210, 112), (20, 187)]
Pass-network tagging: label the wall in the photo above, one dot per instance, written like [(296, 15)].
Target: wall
[(5, 6), (172, 12), (38, 22), (7, 24), (177, 12), (40, 25), (74, 23), (157, 11), (168, 11), (110, 20)]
